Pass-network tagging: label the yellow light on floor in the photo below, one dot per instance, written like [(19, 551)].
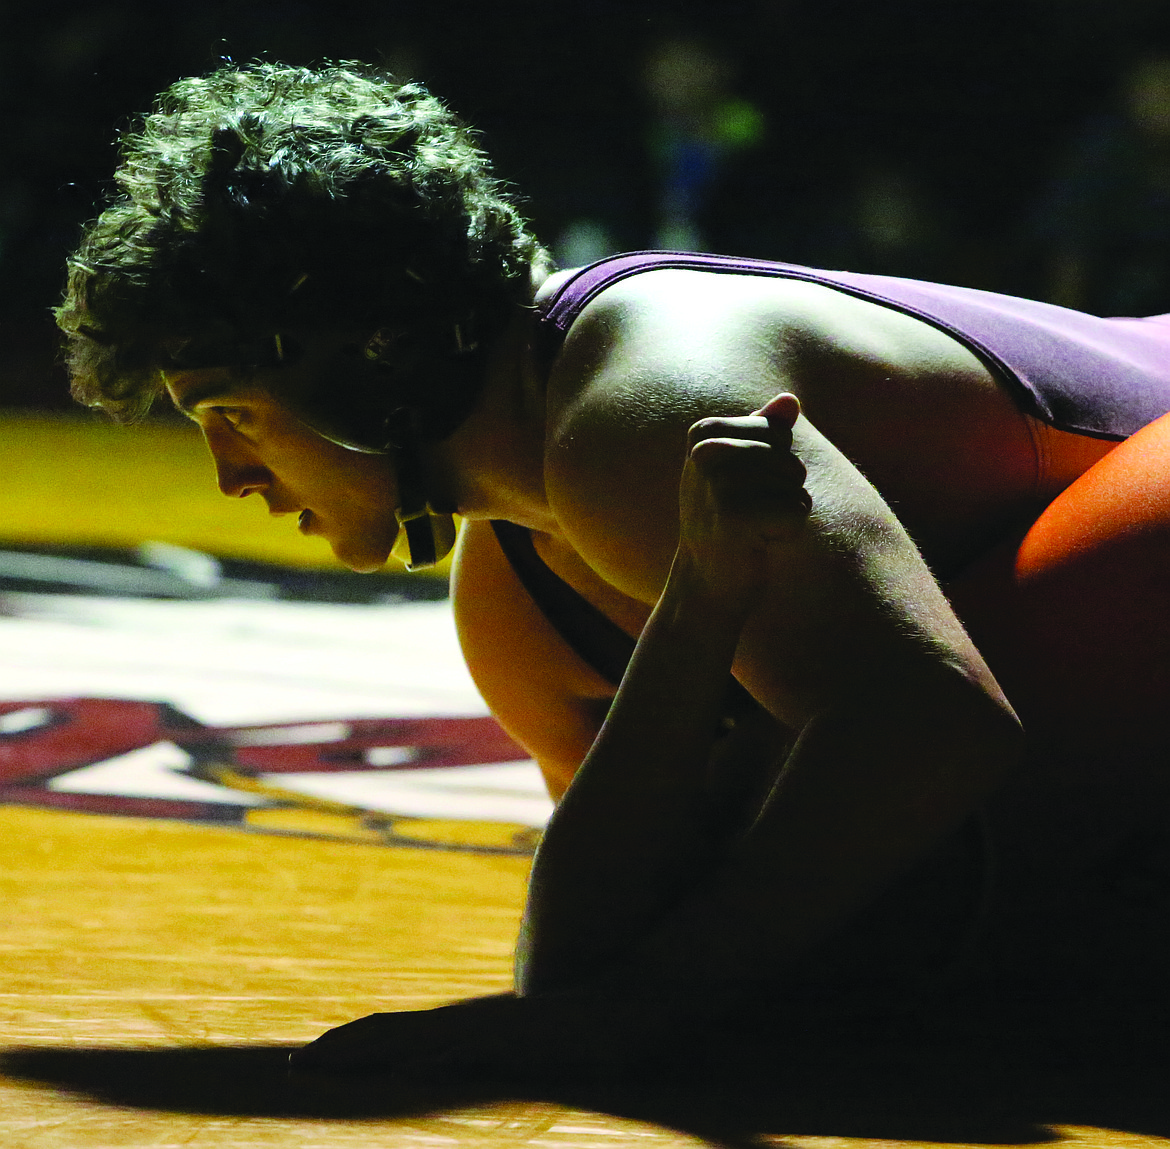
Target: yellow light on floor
[(80, 480)]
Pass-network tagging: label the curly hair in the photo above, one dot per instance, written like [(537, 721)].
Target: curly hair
[(265, 203)]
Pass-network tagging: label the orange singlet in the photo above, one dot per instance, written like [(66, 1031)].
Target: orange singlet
[(1074, 619)]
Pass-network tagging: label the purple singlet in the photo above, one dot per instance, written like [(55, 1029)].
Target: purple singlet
[(1106, 378), (1101, 377)]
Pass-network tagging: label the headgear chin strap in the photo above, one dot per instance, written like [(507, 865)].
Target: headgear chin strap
[(425, 536)]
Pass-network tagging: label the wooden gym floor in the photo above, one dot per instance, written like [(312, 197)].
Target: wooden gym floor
[(156, 970)]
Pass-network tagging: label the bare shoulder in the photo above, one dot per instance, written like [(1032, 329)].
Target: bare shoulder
[(675, 315), (643, 365), (648, 358), (658, 351)]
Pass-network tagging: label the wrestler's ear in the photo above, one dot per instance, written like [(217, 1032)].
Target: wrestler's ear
[(782, 410)]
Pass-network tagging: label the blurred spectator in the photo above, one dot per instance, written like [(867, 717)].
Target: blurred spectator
[(583, 241), (885, 223), (1103, 228), (696, 124)]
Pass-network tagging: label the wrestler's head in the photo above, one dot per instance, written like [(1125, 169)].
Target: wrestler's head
[(329, 235)]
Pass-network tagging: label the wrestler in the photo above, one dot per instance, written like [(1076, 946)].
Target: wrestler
[(761, 474)]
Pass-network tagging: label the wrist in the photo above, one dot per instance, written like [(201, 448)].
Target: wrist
[(693, 598)]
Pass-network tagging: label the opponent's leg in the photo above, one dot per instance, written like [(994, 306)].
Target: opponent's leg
[(1074, 620)]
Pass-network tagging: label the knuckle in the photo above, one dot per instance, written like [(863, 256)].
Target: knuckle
[(707, 428)]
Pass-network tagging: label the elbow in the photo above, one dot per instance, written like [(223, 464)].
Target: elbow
[(982, 736), (997, 745), (956, 739)]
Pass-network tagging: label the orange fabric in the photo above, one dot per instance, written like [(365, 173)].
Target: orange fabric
[(1075, 617)]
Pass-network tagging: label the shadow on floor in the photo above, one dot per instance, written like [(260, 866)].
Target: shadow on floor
[(965, 1082)]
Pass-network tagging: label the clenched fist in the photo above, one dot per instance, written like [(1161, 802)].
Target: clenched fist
[(742, 498)]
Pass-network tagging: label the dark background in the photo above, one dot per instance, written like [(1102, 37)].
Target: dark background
[(934, 138)]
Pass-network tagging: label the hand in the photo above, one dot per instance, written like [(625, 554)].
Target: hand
[(742, 498), (581, 1033), (415, 1042)]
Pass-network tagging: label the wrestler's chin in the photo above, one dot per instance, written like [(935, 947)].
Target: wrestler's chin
[(365, 564), (362, 558)]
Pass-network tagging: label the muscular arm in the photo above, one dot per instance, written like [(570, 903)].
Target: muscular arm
[(849, 641), (844, 637)]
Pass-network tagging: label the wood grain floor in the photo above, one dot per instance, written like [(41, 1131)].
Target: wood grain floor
[(154, 968), (153, 975)]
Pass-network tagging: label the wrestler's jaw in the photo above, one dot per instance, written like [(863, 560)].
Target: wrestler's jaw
[(365, 552)]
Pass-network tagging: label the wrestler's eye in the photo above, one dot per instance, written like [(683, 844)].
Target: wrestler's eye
[(233, 416)]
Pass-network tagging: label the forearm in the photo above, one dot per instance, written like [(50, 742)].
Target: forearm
[(871, 786), (837, 627), (631, 831)]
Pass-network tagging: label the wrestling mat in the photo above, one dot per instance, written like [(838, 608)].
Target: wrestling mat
[(246, 796)]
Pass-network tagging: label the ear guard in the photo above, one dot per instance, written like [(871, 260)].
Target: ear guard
[(425, 536)]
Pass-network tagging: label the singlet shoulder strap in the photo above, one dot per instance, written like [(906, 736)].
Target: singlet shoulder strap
[(595, 638), (1080, 373), (561, 309), (598, 641)]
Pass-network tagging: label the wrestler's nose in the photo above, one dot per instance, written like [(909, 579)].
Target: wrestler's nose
[(239, 475)]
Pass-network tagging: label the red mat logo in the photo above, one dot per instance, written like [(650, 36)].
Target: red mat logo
[(449, 782)]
